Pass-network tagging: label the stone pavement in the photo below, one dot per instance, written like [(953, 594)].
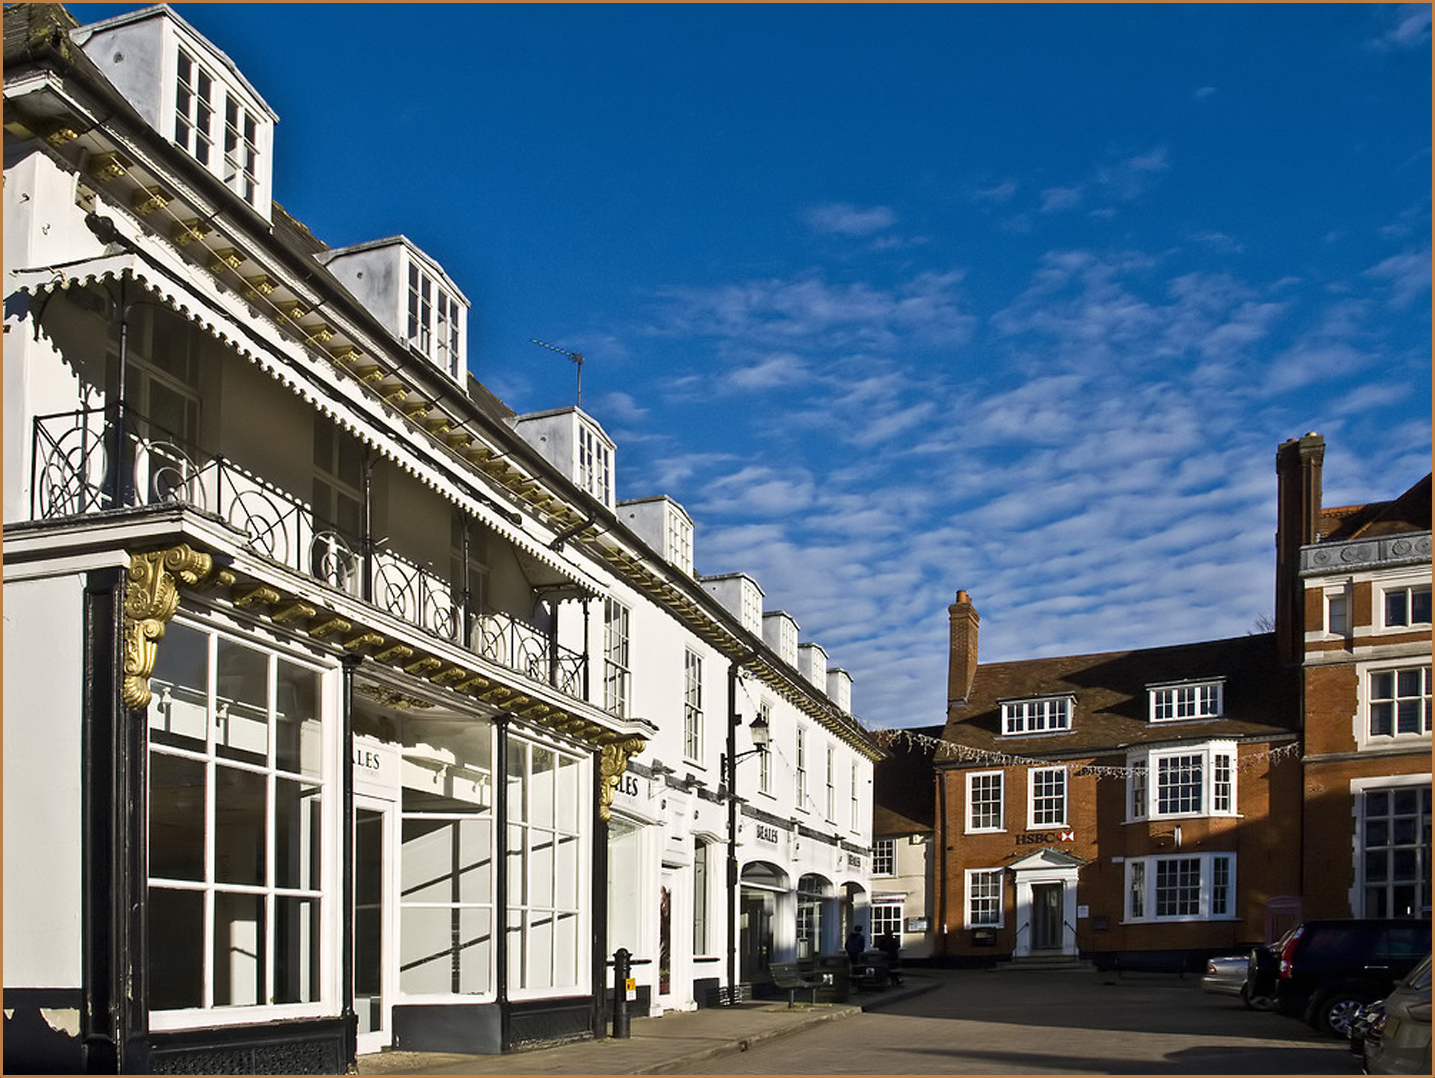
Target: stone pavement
[(657, 1045)]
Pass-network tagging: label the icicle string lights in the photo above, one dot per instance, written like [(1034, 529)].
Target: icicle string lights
[(947, 750)]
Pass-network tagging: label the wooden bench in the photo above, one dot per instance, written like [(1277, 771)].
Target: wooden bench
[(792, 977)]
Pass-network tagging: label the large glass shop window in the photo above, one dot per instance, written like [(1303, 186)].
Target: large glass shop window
[(446, 870), (240, 785), (546, 866)]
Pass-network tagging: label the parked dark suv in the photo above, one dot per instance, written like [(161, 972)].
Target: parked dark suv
[(1325, 971)]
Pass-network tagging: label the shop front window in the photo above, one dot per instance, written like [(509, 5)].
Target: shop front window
[(242, 814), (546, 869), (446, 870)]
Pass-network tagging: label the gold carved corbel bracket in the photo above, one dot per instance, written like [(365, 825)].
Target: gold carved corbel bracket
[(150, 600), (614, 761)]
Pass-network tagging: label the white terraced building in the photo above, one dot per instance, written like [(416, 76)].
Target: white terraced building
[(346, 709)]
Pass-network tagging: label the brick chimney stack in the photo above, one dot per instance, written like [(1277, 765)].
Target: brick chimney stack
[(1298, 510), (963, 661)]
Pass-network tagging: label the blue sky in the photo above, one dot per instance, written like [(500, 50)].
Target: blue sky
[(897, 300)]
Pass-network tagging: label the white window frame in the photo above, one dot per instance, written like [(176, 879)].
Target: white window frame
[(214, 122), (617, 657), (881, 919), (884, 857), (801, 768), (1219, 790), (1359, 788), (1187, 701), (993, 885), (324, 890), (595, 464), (1369, 701), (1035, 776), (1336, 610), (1409, 591), (854, 806), (433, 319), (831, 785), (703, 905), (973, 778), (692, 706), (1213, 903), (680, 540), (522, 911), (1038, 715)]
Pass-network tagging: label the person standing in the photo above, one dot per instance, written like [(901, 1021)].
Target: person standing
[(856, 944), (891, 946)]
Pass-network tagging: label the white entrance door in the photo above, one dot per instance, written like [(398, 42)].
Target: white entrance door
[(374, 873)]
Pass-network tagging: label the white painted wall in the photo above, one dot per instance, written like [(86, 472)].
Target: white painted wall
[(43, 635)]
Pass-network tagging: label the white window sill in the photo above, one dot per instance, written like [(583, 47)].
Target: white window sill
[(985, 831)]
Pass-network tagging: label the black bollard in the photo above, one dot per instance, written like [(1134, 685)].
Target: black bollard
[(622, 958)]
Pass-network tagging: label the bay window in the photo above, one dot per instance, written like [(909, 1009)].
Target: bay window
[(1177, 781)]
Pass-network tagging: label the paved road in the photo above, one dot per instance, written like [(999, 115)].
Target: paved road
[(977, 1022)]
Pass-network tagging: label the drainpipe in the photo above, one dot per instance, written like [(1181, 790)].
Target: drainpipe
[(939, 866), (350, 663), (500, 879)]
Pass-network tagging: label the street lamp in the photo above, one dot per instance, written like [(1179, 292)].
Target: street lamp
[(761, 737)]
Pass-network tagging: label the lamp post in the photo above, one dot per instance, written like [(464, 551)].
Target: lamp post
[(761, 738)]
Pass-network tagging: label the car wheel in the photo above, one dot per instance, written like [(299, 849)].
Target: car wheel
[(1336, 1012)]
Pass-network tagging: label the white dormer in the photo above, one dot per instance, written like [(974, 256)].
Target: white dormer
[(191, 93), (839, 688), (779, 630), (411, 295), (812, 664), (665, 526), (571, 440), (740, 595)]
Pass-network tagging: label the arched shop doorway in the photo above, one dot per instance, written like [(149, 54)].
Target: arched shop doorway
[(763, 887), (817, 923)]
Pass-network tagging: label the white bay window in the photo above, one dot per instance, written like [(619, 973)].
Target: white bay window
[(1182, 781)]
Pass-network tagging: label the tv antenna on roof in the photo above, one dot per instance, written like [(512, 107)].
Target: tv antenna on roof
[(576, 357)]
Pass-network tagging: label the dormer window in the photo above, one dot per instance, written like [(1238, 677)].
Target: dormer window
[(595, 464), (1189, 700), (435, 322), (409, 293), (1038, 715), (188, 90), (680, 540)]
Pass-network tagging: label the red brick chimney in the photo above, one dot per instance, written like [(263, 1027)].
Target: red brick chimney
[(963, 662), (1298, 507)]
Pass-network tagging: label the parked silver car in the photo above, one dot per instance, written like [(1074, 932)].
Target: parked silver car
[(1398, 1041), (1226, 976)]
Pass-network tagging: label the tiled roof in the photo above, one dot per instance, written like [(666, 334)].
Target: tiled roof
[(1260, 697), (1408, 513), (903, 786)]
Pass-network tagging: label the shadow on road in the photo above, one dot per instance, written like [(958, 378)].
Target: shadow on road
[(1272, 1060)]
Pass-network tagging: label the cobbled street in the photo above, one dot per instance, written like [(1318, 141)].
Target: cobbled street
[(978, 1022)]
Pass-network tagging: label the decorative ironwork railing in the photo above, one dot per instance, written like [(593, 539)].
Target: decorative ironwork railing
[(74, 472)]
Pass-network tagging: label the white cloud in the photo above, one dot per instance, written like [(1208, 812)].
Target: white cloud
[(1060, 198), (1203, 92), (1408, 274), (619, 407), (779, 369), (844, 219), (1409, 29)]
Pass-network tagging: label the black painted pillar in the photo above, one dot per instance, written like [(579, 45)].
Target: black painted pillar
[(114, 1020)]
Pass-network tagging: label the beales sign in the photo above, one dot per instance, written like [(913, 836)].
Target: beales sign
[(766, 833)]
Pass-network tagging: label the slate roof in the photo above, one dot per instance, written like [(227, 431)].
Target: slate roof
[(1261, 698)]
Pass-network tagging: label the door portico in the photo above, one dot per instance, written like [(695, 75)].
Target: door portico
[(1046, 903)]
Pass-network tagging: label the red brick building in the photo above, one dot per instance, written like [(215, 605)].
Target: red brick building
[(1357, 579), (1156, 805)]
